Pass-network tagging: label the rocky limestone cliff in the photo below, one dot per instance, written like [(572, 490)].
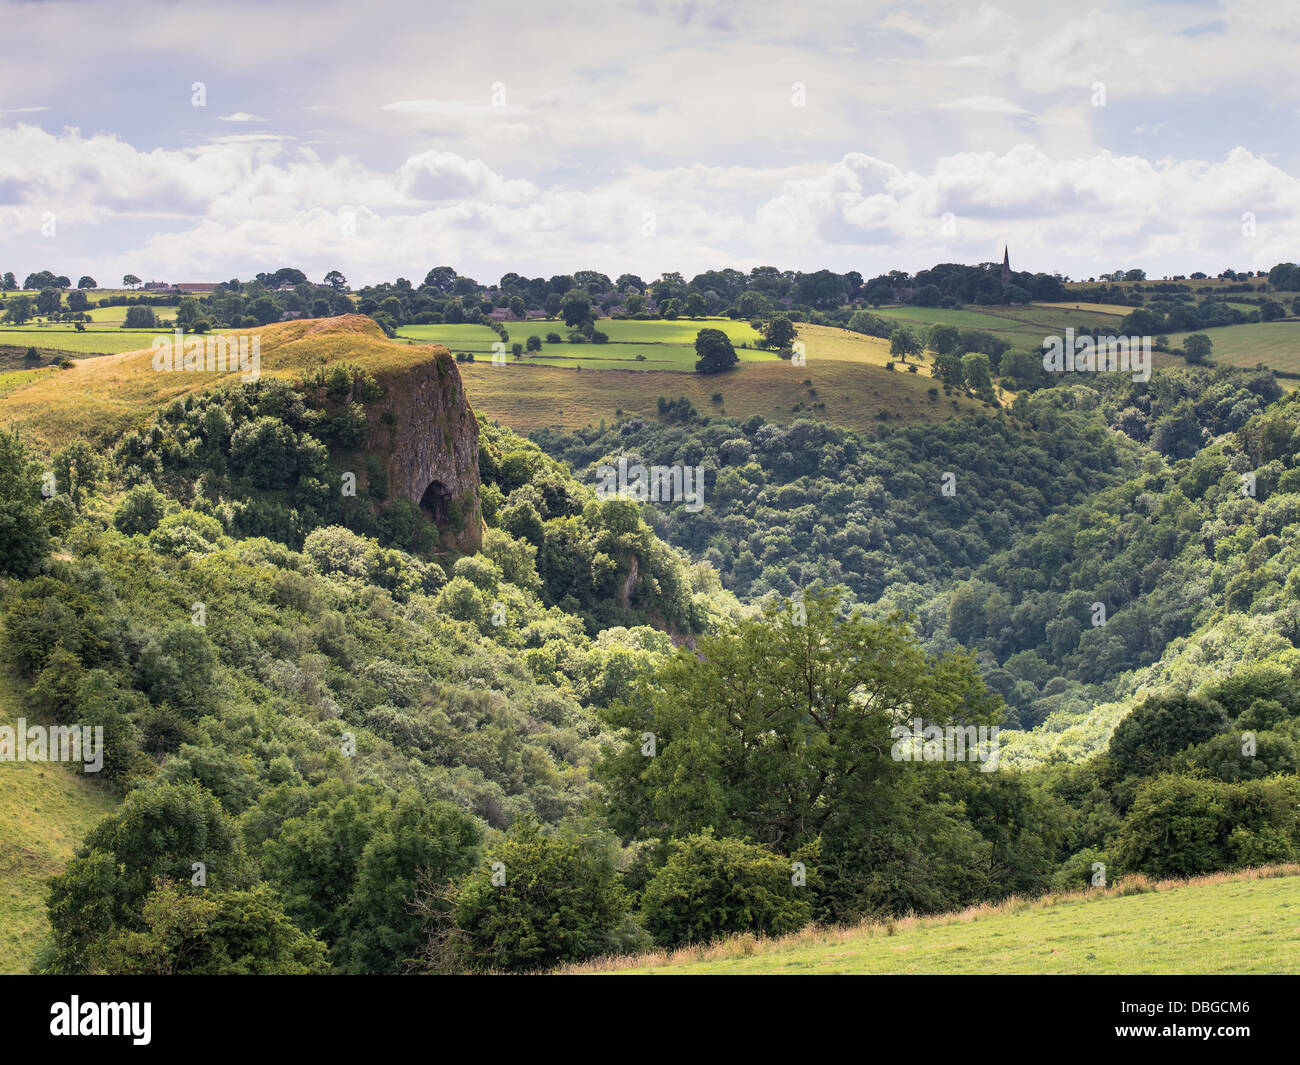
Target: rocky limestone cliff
[(426, 435)]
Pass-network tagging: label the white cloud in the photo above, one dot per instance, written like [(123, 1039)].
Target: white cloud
[(989, 105), (676, 109), (436, 175)]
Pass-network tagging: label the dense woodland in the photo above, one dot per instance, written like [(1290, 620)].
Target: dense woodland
[(619, 725)]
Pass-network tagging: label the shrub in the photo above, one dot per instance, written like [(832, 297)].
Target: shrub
[(711, 887), (1183, 826), (140, 511), (557, 899)]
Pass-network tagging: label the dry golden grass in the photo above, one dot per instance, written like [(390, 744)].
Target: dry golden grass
[(99, 398), (845, 371)]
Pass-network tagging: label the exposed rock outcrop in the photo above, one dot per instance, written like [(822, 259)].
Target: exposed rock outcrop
[(427, 437)]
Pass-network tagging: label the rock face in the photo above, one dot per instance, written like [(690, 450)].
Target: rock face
[(426, 435)]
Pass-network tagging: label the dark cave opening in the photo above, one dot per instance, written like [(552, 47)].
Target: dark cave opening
[(435, 500)]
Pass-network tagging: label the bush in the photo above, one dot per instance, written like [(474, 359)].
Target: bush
[(186, 532), (140, 511), (224, 933), (1143, 742), (558, 899), (1183, 826), (711, 887)]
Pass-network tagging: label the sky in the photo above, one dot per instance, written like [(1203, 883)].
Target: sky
[(199, 142)]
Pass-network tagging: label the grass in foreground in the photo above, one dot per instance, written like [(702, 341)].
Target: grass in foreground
[(1226, 923)]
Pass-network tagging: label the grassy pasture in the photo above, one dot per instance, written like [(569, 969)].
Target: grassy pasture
[(45, 810), (529, 397), (68, 341), (680, 331), (1118, 309), (466, 336), (624, 356), (664, 345), (115, 316), (1228, 923), (98, 398), (1021, 326), (1275, 344), (845, 371)]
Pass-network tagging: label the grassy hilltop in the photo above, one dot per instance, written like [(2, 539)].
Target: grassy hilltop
[(99, 398)]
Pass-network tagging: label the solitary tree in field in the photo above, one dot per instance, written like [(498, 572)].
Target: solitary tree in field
[(715, 351), (140, 318), (779, 332), (1197, 347), (904, 343), (19, 309), (87, 282), (130, 281), (336, 280)]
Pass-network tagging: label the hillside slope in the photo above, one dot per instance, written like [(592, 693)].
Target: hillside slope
[(44, 812), (1228, 923)]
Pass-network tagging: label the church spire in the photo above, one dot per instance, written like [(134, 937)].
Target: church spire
[(1006, 263)]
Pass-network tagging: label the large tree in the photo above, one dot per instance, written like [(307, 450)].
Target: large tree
[(904, 342), (779, 332), (1197, 348), (779, 727), (715, 352)]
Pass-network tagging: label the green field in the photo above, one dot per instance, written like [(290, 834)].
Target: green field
[(91, 342), (115, 316), (1227, 923), (662, 345), (1021, 326), (844, 382), (1275, 344), (45, 810)]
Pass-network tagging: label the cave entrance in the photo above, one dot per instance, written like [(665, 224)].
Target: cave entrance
[(435, 500)]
